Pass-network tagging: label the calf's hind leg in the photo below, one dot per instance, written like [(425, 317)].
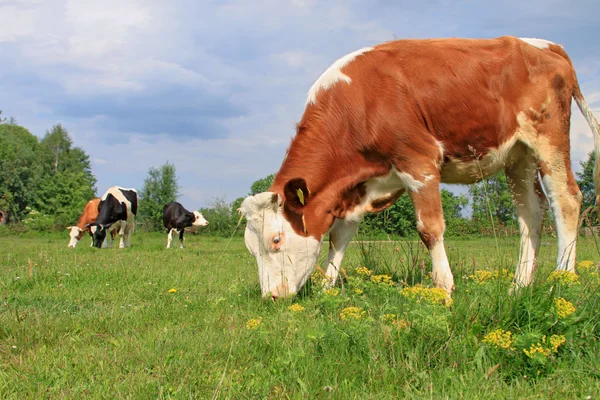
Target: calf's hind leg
[(530, 203)]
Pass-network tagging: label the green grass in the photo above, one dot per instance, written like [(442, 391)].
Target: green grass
[(102, 324)]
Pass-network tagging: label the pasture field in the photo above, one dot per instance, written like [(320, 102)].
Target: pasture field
[(147, 322)]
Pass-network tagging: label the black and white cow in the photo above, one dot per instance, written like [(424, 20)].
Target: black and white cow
[(116, 212), (177, 219)]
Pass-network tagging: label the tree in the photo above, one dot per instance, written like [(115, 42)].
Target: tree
[(261, 185), (20, 169), (222, 218), (67, 182), (585, 180), (398, 219), (492, 195), (160, 187)]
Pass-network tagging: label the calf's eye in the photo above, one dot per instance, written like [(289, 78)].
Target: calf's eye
[(277, 239)]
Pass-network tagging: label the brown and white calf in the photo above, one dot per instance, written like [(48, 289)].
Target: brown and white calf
[(90, 213), (405, 116)]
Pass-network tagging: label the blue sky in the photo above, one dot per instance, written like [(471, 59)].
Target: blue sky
[(216, 87)]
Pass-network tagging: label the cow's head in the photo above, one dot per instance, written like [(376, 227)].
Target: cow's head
[(98, 233), (285, 256), (76, 233), (199, 222)]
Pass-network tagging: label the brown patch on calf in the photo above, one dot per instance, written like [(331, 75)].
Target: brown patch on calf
[(428, 239), (89, 216)]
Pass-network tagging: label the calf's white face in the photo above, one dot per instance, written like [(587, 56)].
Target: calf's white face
[(285, 259), (74, 232), (198, 222)]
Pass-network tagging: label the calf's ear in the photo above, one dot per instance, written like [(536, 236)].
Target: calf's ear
[(297, 195)]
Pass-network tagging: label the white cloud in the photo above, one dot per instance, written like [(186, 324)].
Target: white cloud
[(15, 22)]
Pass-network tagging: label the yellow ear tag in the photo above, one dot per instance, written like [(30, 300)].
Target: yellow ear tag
[(300, 194)]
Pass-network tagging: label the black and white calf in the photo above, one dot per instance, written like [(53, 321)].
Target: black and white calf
[(177, 219), (116, 212)]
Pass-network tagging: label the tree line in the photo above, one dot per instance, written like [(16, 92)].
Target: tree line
[(45, 183)]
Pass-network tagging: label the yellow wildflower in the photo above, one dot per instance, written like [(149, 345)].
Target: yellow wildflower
[(432, 295), (358, 291), (556, 341), (332, 292), (253, 323), (383, 279), (535, 349), (352, 313), (482, 276), (389, 318), (296, 307), (364, 271), (586, 266), (566, 278), (563, 307), (173, 290), (499, 338)]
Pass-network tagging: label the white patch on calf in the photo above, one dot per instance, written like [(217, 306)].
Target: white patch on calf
[(385, 186), (333, 74), (74, 233), (539, 43)]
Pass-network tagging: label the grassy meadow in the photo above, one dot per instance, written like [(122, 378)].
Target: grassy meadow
[(147, 322)]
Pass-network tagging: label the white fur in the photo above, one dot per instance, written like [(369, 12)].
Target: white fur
[(284, 271), (170, 237), (530, 213), (199, 222), (340, 235), (333, 74), (116, 191), (441, 273), (73, 233), (539, 43), (385, 186), (565, 232)]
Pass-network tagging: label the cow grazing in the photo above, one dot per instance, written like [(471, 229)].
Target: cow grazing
[(116, 213), (90, 213), (178, 220), (405, 116)]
